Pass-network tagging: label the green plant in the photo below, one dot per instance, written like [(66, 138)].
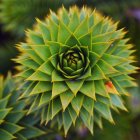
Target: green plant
[(13, 123), (77, 65), (17, 15)]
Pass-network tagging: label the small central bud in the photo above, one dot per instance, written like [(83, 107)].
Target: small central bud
[(72, 63), (72, 59)]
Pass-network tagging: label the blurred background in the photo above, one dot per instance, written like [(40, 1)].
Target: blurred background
[(18, 15)]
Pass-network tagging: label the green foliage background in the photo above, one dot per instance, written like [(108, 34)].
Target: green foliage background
[(18, 15)]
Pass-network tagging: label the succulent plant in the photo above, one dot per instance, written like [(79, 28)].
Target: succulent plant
[(17, 15), (13, 123), (77, 65)]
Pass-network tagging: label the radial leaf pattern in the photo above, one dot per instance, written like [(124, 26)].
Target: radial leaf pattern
[(76, 64), (13, 123)]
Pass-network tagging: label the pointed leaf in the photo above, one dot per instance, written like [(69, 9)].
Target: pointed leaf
[(77, 103), (46, 67), (97, 73), (42, 51), (104, 110), (67, 121), (106, 68), (100, 88), (66, 99), (56, 106), (56, 77), (39, 76), (41, 87), (88, 104), (86, 40), (88, 89), (117, 101), (44, 30), (75, 85), (4, 135), (63, 33), (82, 29), (73, 114), (58, 88), (87, 119), (45, 98)]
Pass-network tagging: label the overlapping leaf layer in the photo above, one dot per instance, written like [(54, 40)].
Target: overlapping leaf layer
[(76, 64), (13, 124)]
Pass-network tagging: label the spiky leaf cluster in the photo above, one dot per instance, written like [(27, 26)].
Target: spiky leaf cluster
[(76, 64), (17, 15), (13, 123)]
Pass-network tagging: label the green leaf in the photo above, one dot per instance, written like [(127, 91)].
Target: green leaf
[(66, 99), (41, 87), (67, 121), (25, 74), (93, 57), (100, 88), (53, 30), (56, 77), (4, 135), (65, 16), (119, 88), (60, 121), (97, 73), (88, 89), (72, 41), (104, 110), (39, 76), (98, 119), (104, 100), (42, 51), (58, 88), (105, 67), (46, 67), (77, 103), (33, 55), (35, 38), (29, 63), (45, 98), (100, 47), (31, 132), (15, 116), (49, 112), (82, 29), (44, 30), (74, 22), (88, 104), (28, 89), (113, 60), (63, 33), (75, 85), (4, 112), (56, 106), (11, 128), (54, 47), (117, 101), (87, 119), (97, 28), (20, 137), (4, 101), (34, 105), (73, 114), (127, 83), (86, 40)]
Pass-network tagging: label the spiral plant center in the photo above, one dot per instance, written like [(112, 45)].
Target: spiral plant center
[(72, 64)]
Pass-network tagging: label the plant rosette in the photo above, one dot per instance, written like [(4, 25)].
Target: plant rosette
[(77, 65)]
